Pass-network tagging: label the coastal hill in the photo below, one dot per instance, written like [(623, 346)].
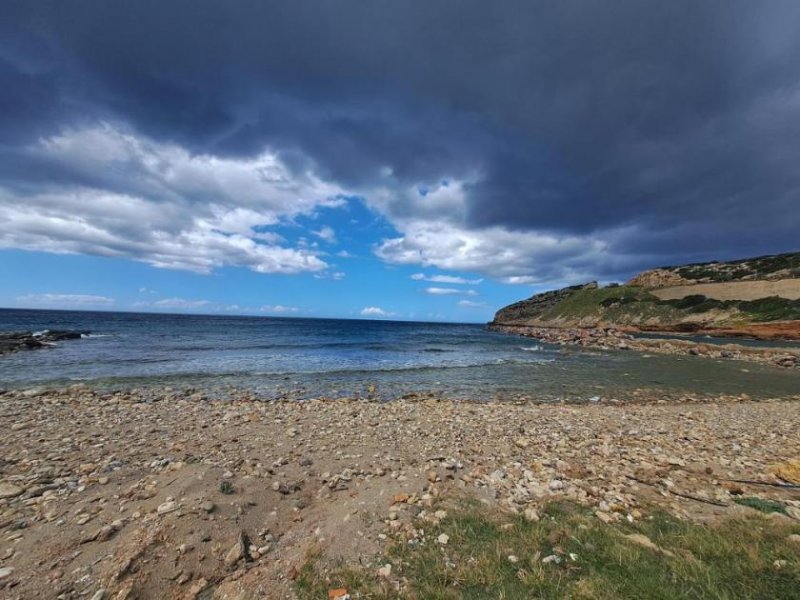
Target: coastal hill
[(757, 297)]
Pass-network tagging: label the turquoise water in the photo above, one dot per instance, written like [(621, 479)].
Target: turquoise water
[(310, 357)]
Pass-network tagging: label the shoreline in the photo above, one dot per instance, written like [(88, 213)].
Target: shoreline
[(619, 339), (147, 493)]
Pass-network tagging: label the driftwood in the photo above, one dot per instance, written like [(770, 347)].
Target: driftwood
[(680, 494), (698, 498), (786, 486)]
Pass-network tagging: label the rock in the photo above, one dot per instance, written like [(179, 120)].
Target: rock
[(338, 594), (5, 572), (794, 538), (239, 551), (513, 558), (99, 595), (531, 514), (385, 571), (443, 539), (604, 516), (793, 512), (167, 507), (9, 490), (287, 488), (400, 498), (196, 589), (208, 506), (553, 558), (106, 533)]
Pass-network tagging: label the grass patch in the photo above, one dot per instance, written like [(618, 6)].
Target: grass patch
[(622, 303), (773, 308), (735, 270), (226, 487), (765, 506), (729, 560)]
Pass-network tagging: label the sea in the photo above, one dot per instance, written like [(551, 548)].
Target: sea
[(305, 358)]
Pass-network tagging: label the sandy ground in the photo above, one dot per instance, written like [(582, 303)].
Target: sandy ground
[(734, 290), (173, 494)]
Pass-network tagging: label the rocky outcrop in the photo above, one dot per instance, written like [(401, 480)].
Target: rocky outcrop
[(658, 278), (12, 341), (536, 305), (615, 339)]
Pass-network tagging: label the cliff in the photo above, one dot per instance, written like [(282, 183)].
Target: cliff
[(757, 296)]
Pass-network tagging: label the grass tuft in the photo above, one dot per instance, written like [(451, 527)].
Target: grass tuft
[(765, 506), (736, 558)]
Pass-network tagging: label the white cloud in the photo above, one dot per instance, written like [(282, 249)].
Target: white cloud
[(471, 304), (434, 232), (335, 275), (438, 291), (445, 279), (158, 203), (181, 303), (344, 254), (64, 300), (375, 311), (326, 234), (278, 308)]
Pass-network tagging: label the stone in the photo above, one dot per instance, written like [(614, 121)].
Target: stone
[(208, 506), (531, 514), (794, 538), (167, 507), (196, 589), (385, 571), (604, 516), (513, 558), (553, 558), (238, 551), (99, 595), (338, 594), (106, 533), (5, 572), (443, 539), (9, 490)]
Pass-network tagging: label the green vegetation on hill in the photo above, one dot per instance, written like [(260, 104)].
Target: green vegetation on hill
[(601, 302), (626, 304), (773, 308), (750, 268), (569, 553), (634, 304)]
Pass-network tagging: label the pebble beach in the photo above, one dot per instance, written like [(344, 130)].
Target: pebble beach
[(179, 494)]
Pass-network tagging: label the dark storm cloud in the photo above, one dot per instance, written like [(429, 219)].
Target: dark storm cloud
[(668, 129)]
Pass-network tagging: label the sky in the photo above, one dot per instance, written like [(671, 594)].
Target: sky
[(397, 160)]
